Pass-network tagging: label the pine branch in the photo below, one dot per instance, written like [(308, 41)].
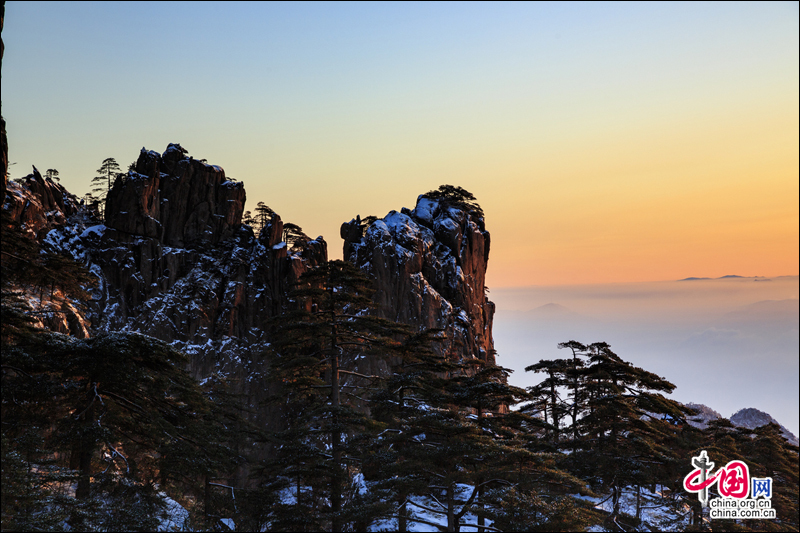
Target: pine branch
[(15, 369)]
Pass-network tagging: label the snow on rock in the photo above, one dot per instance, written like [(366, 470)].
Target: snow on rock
[(429, 269), (425, 210), (704, 416), (175, 518)]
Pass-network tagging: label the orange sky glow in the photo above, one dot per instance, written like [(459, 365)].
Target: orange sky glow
[(605, 142)]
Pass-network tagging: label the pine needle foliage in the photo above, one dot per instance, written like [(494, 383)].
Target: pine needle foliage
[(454, 196)]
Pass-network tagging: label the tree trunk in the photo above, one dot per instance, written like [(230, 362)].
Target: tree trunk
[(574, 402), (336, 435), (481, 519), (451, 514), (86, 449), (402, 520), (638, 502), (207, 501), (553, 408)]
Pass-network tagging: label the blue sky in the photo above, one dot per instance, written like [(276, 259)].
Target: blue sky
[(659, 137)]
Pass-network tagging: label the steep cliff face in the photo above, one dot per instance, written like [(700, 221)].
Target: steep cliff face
[(39, 204), (176, 200), (175, 263), (429, 270)]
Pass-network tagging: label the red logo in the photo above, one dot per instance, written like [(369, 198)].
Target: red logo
[(733, 480)]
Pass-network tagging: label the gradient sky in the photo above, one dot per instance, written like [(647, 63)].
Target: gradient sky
[(605, 142)]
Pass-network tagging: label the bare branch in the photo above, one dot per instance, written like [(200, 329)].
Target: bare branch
[(426, 508), (15, 369), (116, 453), (357, 374)]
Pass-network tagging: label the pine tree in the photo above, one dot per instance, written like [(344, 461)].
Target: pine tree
[(617, 445), (405, 398), (248, 220), (294, 236), (52, 174), (457, 197), (485, 391), (445, 425), (769, 454), (546, 395), (316, 362), (124, 412), (108, 172), (262, 216)]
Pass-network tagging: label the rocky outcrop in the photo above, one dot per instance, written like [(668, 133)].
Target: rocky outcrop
[(174, 262), (429, 270), (704, 415), (175, 199), (39, 204)]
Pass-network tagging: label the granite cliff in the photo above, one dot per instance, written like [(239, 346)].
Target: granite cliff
[(174, 262), (428, 266), (39, 204)]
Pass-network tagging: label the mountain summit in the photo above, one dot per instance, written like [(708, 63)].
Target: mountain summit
[(429, 270)]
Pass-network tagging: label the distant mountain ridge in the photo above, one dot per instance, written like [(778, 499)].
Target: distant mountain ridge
[(748, 417), (729, 276), (552, 310)]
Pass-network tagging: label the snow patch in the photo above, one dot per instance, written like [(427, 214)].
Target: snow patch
[(97, 230), (425, 209)]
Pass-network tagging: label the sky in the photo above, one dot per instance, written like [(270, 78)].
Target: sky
[(611, 145), (606, 142)]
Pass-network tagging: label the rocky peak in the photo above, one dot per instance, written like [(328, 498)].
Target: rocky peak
[(751, 418), (429, 270), (176, 199), (174, 262), (39, 204), (703, 417)]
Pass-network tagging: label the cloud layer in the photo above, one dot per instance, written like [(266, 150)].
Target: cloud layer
[(727, 343)]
